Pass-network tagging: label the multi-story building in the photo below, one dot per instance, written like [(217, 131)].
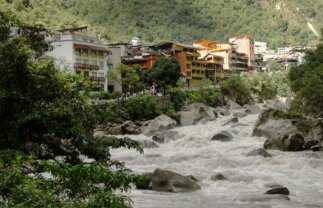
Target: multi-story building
[(75, 48), (226, 54), (285, 50), (245, 45), (260, 47)]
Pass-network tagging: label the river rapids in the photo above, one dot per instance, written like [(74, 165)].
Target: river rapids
[(247, 177)]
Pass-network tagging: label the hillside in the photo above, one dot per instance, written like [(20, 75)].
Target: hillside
[(279, 22)]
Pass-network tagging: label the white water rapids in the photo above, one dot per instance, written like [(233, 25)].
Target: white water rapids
[(194, 154)]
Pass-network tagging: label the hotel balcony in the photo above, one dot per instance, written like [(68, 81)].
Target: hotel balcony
[(86, 66), (97, 79)]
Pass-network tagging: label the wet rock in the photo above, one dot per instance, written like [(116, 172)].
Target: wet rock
[(168, 181), (144, 125), (197, 113), (218, 177), (288, 142), (165, 136), (239, 113), (222, 136), (252, 109), (317, 147), (233, 105), (128, 127), (193, 178), (148, 144), (278, 190), (259, 152), (310, 143), (271, 127), (223, 111), (232, 120), (160, 123), (99, 134), (145, 181)]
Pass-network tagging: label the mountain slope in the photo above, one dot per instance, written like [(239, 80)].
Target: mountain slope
[(279, 22)]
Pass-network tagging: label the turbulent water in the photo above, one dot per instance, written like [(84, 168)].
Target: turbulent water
[(247, 177)]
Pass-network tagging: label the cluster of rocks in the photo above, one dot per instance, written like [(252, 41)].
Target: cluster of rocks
[(289, 134)]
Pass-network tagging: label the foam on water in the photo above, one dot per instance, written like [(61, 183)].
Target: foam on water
[(194, 154)]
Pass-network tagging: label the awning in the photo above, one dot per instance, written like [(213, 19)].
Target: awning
[(95, 48)]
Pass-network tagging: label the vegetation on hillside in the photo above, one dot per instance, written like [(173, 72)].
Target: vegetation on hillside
[(279, 22), (307, 84)]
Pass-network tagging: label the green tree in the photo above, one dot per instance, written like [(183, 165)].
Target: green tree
[(165, 72), (126, 76), (306, 83), (43, 116), (236, 89)]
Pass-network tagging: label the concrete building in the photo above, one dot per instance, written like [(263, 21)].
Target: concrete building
[(260, 47), (230, 59), (75, 49), (244, 44)]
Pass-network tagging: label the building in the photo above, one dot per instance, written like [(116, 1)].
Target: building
[(244, 44), (76, 49), (260, 47), (285, 50), (226, 55), (192, 65)]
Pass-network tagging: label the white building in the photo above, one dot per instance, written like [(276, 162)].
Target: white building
[(284, 50), (260, 47), (75, 49)]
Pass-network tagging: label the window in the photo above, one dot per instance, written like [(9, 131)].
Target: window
[(101, 74), (78, 61), (101, 65), (94, 74), (86, 61)]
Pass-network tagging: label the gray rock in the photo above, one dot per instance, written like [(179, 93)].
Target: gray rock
[(252, 109), (269, 126), (165, 136), (278, 190), (232, 120), (223, 111), (148, 144), (144, 125), (128, 127), (233, 105), (310, 143), (160, 123), (259, 152), (99, 135), (168, 181), (239, 112), (197, 113), (288, 142), (222, 136), (317, 147), (218, 177)]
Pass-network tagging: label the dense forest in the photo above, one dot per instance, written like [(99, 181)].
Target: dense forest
[(279, 22)]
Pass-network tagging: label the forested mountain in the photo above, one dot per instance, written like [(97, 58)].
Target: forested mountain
[(279, 22)]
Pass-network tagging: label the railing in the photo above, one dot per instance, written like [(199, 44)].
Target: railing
[(97, 79), (86, 66)]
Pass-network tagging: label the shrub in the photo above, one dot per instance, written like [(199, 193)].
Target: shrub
[(140, 107), (177, 97)]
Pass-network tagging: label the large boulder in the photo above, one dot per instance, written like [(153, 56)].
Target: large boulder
[(218, 177), (197, 113), (165, 136), (168, 181), (268, 125), (159, 123), (288, 142), (222, 136), (278, 190)]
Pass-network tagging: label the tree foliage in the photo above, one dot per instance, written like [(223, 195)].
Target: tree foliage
[(47, 128), (306, 83)]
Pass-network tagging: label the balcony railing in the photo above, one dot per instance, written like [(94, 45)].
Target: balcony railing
[(97, 79), (86, 66)]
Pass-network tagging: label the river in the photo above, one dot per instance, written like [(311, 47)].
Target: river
[(247, 177)]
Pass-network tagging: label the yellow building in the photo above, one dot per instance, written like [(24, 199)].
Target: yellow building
[(231, 59)]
